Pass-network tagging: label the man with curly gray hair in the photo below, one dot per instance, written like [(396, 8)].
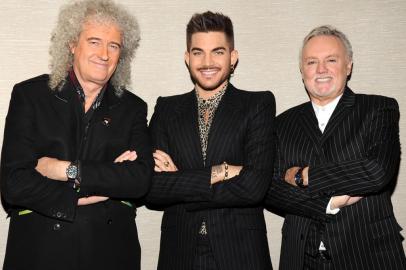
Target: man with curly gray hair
[(76, 154)]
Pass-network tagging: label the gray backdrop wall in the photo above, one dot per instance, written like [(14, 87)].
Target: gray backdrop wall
[(268, 35)]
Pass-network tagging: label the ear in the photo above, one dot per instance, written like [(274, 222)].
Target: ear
[(72, 47), (301, 71), (349, 68), (234, 57), (187, 58)]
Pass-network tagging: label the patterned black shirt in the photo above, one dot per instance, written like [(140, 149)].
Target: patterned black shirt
[(206, 109)]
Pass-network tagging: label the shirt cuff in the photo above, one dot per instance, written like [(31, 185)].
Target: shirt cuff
[(331, 211)]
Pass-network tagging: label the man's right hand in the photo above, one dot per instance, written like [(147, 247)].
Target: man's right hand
[(343, 200), (126, 156)]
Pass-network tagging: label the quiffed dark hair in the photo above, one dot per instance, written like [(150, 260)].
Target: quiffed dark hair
[(210, 22)]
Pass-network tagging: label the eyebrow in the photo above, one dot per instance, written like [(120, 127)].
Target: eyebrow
[(218, 48), (314, 57), (99, 39), (213, 50), (196, 49)]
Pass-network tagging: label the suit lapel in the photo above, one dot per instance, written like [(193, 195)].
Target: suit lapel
[(223, 123), (64, 103), (309, 124), (342, 109), (187, 128), (66, 106)]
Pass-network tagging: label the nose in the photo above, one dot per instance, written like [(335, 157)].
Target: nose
[(321, 67), (104, 53), (208, 60)]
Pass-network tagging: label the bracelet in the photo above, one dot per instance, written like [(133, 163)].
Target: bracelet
[(225, 171)]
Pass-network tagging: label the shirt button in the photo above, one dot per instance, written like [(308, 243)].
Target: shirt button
[(57, 226)]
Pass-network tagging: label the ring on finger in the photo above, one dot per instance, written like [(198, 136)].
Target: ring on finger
[(166, 163)]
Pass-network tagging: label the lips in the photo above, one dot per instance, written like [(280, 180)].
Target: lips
[(101, 65), (324, 79), (209, 72)]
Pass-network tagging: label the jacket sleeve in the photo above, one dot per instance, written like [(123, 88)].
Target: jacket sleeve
[(376, 169), (283, 198), (21, 185), (125, 180), (250, 186), (173, 187), (193, 186)]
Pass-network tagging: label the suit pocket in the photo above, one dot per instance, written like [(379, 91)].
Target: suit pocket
[(386, 234)]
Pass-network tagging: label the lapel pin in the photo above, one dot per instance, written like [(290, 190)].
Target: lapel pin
[(106, 121)]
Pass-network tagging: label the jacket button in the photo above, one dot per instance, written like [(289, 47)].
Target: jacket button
[(109, 221), (59, 215), (57, 226)]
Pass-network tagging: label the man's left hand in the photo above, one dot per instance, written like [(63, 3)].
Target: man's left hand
[(291, 172), (53, 168), (163, 162)]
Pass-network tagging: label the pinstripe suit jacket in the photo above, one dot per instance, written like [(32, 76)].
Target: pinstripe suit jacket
[(358, 154), (241, 134)]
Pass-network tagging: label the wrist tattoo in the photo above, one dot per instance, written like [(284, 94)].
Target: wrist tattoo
[(216, 171)]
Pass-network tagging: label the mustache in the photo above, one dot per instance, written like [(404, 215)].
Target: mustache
[(208, 67)]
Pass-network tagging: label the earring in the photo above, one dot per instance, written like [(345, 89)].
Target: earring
[(232, 70)]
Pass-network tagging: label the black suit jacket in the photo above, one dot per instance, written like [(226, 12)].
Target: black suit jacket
[(57, 234), (241, 134), (358, 154)]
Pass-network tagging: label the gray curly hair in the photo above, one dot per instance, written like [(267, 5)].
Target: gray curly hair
[(327, 30), (69, 26)]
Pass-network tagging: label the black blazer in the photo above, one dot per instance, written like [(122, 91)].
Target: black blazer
[(241, 134), (57, 234), (358, 154)]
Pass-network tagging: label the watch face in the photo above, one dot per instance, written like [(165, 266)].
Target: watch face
[(298, 178), (72, 171)]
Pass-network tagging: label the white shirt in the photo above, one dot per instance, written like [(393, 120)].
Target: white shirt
[(323, 114)]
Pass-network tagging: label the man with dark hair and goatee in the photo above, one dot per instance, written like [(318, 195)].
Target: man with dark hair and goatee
[(214, 146)]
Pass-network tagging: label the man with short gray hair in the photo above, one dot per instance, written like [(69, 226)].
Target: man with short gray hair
[(337, 160)]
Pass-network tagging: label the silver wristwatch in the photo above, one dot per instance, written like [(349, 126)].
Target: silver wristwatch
[(73, 174)]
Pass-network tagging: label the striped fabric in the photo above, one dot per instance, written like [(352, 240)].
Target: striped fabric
[(358, 154), (241, 134)]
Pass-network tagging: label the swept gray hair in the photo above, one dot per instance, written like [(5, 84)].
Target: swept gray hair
[(327, 30), (69, 26)]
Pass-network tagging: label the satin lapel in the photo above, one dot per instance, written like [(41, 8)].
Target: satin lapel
[(342, 109), (224, 122), (68, 112), (309, 124), (186, 126)]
